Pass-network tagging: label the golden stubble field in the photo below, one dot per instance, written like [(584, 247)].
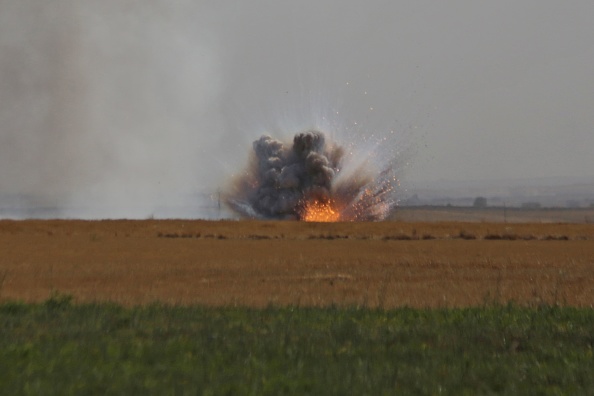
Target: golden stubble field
[(256, 263)]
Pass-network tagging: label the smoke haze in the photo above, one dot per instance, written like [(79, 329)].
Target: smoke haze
[(104, 104)]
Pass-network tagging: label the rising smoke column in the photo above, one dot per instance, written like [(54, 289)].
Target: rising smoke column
[(290, 181)]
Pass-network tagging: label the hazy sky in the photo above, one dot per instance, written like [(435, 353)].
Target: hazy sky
[(495, 89), (117, 101)]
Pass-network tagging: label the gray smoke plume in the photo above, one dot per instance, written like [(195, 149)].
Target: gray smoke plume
[(105, 107), (281, 180)]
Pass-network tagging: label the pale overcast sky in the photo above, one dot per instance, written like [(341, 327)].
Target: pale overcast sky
[(496, 89), (121, 100)]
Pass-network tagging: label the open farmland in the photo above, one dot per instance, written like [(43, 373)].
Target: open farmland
[(494, 214), (207, 332), (386, 264)]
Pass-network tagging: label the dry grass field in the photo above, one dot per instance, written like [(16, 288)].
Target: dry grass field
[(494, 214), (385, 264)]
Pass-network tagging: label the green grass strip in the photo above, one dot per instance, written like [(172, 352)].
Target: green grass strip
[(59, 348)]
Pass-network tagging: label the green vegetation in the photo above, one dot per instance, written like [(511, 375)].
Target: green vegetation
[(63, 348)]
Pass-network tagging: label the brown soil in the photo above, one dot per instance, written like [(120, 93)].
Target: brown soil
[(384, 264), (493, 214)]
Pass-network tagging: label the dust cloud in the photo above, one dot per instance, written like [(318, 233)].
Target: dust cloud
[(106, 107)]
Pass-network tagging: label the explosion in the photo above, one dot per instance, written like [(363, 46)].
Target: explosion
[(320, 212), (308, 180)]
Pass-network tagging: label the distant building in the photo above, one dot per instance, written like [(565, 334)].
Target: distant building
[(480, 202)]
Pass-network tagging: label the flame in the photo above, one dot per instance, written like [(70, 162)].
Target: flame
[(323, 212)]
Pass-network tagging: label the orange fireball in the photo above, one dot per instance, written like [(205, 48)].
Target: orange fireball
[(323, 212)]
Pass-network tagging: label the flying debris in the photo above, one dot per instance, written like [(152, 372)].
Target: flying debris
[(307, 180)]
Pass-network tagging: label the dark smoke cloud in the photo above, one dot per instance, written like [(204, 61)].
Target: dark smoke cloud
[(282, 179)]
